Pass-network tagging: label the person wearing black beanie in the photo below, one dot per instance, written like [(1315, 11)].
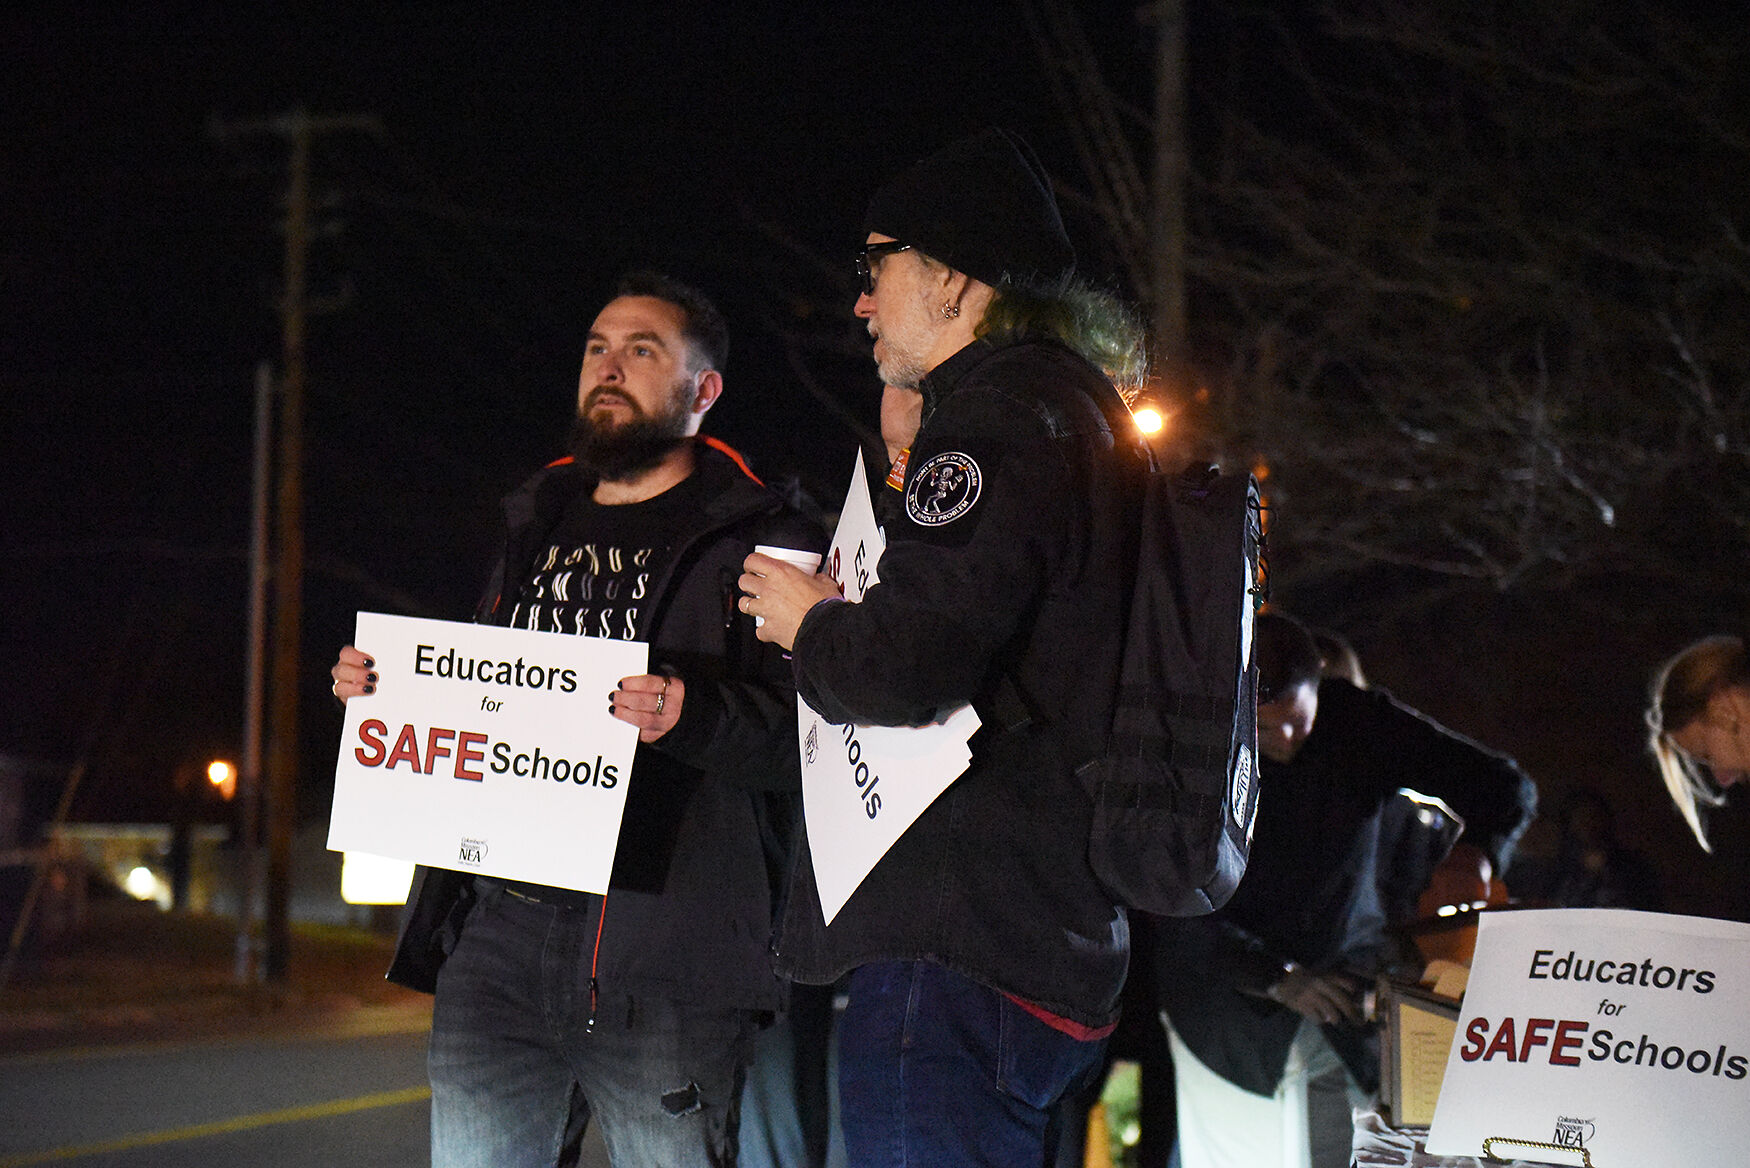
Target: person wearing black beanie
[(982, 205), (984, 958)]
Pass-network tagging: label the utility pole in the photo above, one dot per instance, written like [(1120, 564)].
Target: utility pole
[(288, 570), (1167, 193), (299, 130), (248, 971)]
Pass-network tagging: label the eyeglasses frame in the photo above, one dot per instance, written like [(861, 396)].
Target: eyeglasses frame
[(876, 251)]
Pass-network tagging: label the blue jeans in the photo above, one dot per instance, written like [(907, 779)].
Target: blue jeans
[(787, 1109), (939, 1071), (516, 1074)]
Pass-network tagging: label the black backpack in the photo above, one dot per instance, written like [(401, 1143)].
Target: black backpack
[(1176, 791)]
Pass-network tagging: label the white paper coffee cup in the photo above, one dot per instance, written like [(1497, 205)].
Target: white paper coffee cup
[(807, 561)]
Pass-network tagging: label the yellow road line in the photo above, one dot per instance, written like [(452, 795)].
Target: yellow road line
[(224, 1126)]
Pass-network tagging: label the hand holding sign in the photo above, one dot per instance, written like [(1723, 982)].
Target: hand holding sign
[(488, 750), (863, 786), (650, 702), (354, 674)]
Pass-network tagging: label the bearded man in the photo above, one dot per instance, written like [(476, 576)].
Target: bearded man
[(637, 1008)]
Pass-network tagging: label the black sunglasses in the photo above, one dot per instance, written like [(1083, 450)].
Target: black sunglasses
[(874, 251)]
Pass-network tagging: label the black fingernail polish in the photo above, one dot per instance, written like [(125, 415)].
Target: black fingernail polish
[(610, 707), (370, 689), (370, 663), (371, 677)]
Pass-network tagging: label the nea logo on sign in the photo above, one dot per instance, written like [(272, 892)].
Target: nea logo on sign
[(1572, 1132), (472, 852)]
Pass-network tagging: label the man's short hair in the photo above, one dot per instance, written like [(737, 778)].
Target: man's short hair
[(702, 325), (1287, 655)]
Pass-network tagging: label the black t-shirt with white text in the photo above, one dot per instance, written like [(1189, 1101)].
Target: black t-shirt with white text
[(596, 569)]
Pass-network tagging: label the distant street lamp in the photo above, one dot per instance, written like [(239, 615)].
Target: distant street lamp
[(1150, 420), (143, 884), (223, 776)]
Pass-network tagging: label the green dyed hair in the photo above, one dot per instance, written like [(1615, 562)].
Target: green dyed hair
[(1092, 322)]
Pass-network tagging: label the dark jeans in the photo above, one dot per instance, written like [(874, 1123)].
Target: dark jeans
[(515, 1074), (936, 1069), (1141, 1038)]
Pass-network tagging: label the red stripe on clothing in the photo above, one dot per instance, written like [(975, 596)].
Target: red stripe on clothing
[(1064, 1025), (732, 454)]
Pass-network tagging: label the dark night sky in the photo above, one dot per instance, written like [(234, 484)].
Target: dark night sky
[(527, 154)]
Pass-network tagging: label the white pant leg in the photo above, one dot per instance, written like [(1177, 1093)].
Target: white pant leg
[(1224, 1126)]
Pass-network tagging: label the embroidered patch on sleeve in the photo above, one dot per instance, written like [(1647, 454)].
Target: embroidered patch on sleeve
[(943, 489)]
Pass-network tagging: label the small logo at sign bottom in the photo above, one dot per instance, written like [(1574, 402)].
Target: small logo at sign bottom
[(472, 853), (1572, 1132)]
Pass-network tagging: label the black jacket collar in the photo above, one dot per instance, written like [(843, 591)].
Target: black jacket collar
[(939, 382)]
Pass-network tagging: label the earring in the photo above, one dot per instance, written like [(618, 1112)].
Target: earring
[(950, 311)]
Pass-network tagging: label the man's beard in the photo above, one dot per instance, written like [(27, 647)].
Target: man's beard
[(901, 370), (616, 451), (905, 339)]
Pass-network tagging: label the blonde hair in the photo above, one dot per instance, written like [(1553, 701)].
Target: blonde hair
[(1679, 695)]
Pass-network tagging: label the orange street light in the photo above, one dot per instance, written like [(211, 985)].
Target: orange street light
[(1150, 420), (223, 776)]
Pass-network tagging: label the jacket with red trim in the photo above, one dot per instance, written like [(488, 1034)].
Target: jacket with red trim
[(710, 806)]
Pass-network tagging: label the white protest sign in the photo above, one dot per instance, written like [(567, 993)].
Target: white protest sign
[(1625, 1033), (862, 786), (857, 543), (487, 750)]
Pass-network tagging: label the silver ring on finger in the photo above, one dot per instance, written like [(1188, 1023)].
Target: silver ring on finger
[(661, 699)]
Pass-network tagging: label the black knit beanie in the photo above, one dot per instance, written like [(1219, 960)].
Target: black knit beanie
[(983, 206)]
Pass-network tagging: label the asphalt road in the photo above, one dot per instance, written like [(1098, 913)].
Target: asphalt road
[(350, 1092)]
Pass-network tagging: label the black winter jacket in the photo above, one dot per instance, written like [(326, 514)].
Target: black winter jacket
[(1309, 893), (711, 806), (1006, 569)]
